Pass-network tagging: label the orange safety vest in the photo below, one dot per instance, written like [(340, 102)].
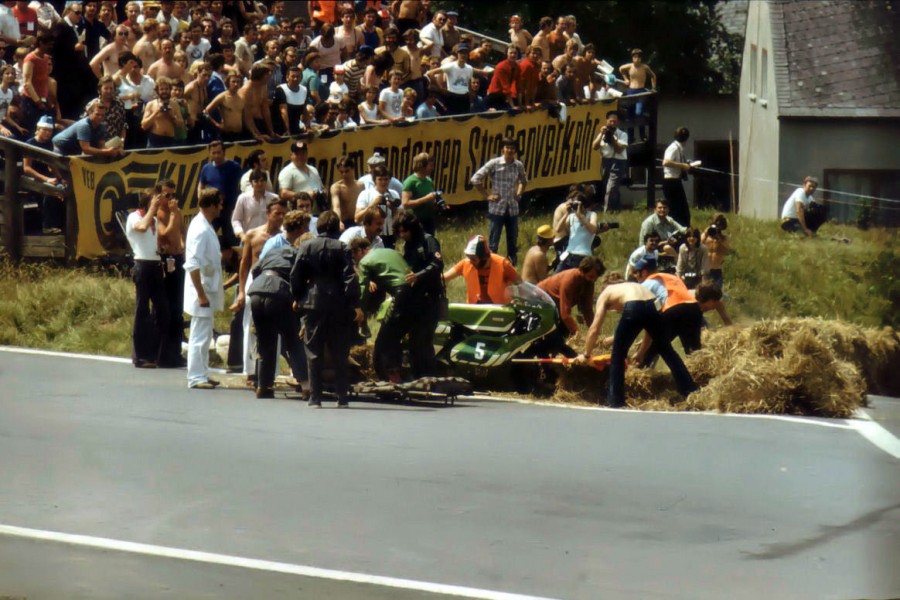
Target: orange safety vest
[(496, 286), (678, 293)]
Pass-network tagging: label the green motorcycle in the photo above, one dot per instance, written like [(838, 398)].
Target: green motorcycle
[(485, 336)]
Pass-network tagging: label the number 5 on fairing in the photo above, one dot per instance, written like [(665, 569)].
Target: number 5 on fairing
[(479, 351)]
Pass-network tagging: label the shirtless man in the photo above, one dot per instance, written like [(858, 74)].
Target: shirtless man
[(635, 75), (406, 12), (230, 105), (196, 96), (144, 48), (164, 33), (106, 62), (638, 308), (717, 245), (536, 266), (162, 116), (257, 114), (345, 191), (254, 240), (170, 239), (166, 65)]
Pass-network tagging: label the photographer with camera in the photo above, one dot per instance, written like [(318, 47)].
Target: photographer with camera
[(583, 231), (382, 197), (162, 116), (612, 143), (419, 196), (693, 259), (716, 242)]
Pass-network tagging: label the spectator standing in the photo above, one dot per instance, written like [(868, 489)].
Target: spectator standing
[(347, 35), (508, 181), (418, 192), (519, 37), (311, 79), (145, 47), (547, 92), (390, 101), (257, 159), (196, 99), (299, 176), (67, 52), (504, 91), (150, 325), (35, 88), (229, 105), (676, 168), (375, 161), (459, 74), (170, 241), (135, 90), (556, 39), (257, 118), (115, 120), (450, 33), (613, 146), (368, 109), (47, 16), (399, 55), (224, 175), (93, 29), (371, 33), (244, 48), (428, 108), (432, 35), (416, 79), (162, 117), (565, 84), (801, 212), (530, 75), (541, 38), (290, 101), (106, 62), (345, 191), (382, 197), (252, 206), (329, 52), (199, 46), (355, 69), (203, 292), (325, 288), (636, 74)]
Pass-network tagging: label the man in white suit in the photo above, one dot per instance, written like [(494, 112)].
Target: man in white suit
[(203, 292)]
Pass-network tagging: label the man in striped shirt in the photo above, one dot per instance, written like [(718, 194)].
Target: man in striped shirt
[(508, 181)]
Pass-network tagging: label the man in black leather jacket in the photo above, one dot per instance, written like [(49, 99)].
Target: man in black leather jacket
[(423, 254), (326, 291)]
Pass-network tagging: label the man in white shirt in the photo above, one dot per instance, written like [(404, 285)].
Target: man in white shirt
[(675, 168), (250, 209), (298, 176), (9, 28), (382, 197), (432, 37), (149, 325), (801, 212), (203, 291), (257, 159), (199, 46), (46, 13), (372, 225), (377, 160), (612, 143)]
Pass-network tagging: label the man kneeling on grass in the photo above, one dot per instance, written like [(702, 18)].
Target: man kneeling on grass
[(638, 307)]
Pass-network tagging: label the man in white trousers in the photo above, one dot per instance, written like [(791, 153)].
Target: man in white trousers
[(203, 291)]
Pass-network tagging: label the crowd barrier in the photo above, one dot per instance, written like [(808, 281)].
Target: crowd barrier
[(555, 152)]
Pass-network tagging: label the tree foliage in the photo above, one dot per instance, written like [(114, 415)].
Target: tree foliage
[(684, 42)]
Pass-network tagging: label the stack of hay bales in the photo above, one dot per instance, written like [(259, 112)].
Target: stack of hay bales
[(789, 366)]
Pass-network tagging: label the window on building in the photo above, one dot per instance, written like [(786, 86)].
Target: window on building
[(764, 75), (753, 72), (867, 187)]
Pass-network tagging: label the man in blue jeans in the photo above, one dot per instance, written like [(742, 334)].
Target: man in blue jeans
[(508, 181), (638, 307), (612, 143)]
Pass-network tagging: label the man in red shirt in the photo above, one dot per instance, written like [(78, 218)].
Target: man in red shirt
[(36, 79), (504, 92), (575, 287), (530, 75), (27, 18)]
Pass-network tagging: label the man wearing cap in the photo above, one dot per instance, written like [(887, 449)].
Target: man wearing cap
[(52, 212), (487, 274), (508, 181), (801, 212), (450, 33), (377, 160), (536, 266), (298, 175), (458, 73)]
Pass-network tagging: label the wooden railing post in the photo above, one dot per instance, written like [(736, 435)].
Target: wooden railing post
[(12, 209)]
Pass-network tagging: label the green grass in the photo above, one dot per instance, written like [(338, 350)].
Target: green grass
[(768, 274)]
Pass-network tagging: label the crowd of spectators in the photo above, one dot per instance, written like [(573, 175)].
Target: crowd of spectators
[(169, 73)]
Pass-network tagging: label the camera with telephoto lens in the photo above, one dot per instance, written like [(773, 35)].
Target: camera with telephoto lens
[(439, 201), (714, 231), (573, 205), (612, 225)]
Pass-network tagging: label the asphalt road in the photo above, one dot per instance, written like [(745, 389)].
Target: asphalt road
[(490, 495)]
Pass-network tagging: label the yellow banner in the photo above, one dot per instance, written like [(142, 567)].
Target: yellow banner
[(554, 152)]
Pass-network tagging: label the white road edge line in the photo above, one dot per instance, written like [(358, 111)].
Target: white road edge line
[(875, 433), (97, 357), (256, 564)]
